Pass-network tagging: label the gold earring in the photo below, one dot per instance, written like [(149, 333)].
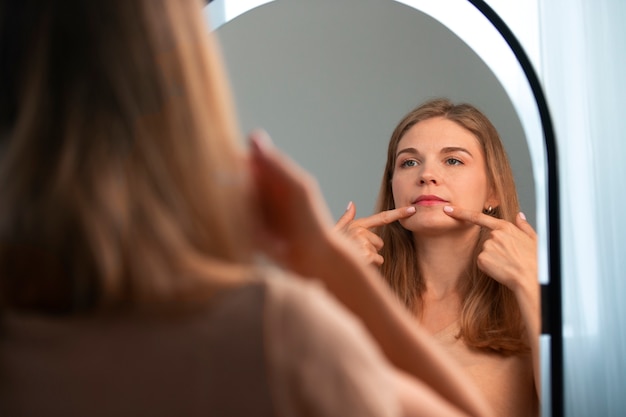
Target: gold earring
[(489, 211)]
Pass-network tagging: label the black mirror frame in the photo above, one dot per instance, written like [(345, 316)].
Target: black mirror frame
[(551, 303)]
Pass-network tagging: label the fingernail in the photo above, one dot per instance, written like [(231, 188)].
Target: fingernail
[(522, 215), (349, 206), (448, 209), (410, 209), (260, 139)]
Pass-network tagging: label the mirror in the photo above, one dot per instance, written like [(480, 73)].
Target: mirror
[(329, 80)]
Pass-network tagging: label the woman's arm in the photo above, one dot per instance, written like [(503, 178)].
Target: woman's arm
[(297, 232)]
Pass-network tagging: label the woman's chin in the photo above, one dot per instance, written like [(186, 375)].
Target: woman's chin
[(425, 222), (429, 223)]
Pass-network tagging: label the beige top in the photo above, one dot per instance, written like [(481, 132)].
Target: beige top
[(506, 381), (276, 347)]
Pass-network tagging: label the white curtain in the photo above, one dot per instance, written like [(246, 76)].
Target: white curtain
[(583, 47)]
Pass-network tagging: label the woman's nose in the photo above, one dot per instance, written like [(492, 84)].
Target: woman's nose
[(427, 175)]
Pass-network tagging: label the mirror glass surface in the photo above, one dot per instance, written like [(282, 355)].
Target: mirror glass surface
[(330, 79)]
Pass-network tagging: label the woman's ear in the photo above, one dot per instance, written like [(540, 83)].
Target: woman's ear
[(492, 202), (492, 199)]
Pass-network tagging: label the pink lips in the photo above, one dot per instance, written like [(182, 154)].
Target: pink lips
[(429, 200)]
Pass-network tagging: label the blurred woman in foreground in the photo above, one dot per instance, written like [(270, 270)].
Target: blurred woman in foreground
[(129, 280)]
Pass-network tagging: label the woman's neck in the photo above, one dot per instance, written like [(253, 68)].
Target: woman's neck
[(443, 261)]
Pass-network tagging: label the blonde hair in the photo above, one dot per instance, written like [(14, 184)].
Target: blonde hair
[(490, 315), (121, 175)]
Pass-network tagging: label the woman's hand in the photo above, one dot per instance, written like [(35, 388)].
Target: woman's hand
[(366, 242), (509, 255), (295, 224)]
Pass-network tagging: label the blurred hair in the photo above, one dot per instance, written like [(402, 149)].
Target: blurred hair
[(490, 317), (120, 169)]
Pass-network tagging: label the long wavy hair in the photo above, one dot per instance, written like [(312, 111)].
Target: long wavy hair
[(120, 166), (490, 316)]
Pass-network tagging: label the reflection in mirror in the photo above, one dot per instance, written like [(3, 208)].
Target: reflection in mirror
[(330, 80)]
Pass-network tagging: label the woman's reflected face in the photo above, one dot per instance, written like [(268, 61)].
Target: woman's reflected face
[(439, 163)]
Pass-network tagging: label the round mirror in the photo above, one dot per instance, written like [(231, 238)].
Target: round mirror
[(330, 79)]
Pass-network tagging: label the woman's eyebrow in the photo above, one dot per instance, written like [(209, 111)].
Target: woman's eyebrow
[(447, 149), (411, 151), (452, 149)]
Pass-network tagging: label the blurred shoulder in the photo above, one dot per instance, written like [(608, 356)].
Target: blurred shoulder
[(321, 354)]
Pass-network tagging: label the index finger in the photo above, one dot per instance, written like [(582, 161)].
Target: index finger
[(385, 217), (347, 216), (472, 216)]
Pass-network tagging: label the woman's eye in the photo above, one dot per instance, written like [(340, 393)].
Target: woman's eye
[(408, 163), (453, 161)]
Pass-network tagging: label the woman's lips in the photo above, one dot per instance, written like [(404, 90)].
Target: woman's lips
[(429, 200)]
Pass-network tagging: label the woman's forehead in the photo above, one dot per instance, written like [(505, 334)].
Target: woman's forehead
[(438, 133)]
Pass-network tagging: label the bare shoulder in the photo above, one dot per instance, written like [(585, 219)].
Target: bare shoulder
[(321, 354)]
